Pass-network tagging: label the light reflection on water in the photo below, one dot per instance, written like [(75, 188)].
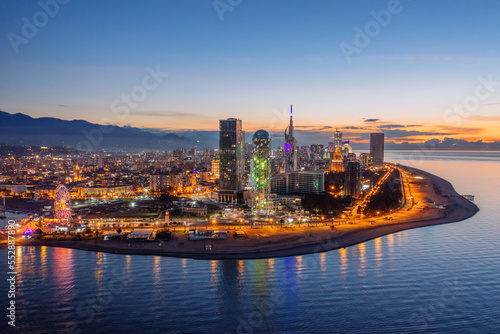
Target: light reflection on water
[(434, 279)]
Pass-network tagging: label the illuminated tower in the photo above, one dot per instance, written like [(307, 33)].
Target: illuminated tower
[(338, 138), (261, 170), (337, 164), (215, 168), (290, 146), (77, 173)]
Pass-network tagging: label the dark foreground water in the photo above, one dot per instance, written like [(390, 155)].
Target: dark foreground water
[(441, 279)]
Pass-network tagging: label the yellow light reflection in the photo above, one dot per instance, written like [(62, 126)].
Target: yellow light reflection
[(128, 263), (213, 267), (343, 261), (378, 252), (401, 236), (299, 263), (214, 277), (390, 242), (157, 270), (19, 258), (362, 248), (43, 262), (98, 274), (63, 274), (270, 264), (241, 268), (184, 266), (322, 261)]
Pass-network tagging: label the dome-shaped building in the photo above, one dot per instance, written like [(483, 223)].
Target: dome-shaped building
[(261, 138)]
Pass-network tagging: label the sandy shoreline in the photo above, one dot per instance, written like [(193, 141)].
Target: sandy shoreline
[(291, 242)]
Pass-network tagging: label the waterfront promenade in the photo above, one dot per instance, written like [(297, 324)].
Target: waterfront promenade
[(267, 242)]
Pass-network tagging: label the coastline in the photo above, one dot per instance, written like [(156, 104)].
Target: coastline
[(313, 240)]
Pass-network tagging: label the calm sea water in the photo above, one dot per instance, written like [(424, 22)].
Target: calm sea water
[(441, 279)]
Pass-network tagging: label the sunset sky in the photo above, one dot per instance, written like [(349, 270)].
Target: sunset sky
[(430, 70)]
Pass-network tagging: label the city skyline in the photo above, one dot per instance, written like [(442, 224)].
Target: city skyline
[(232, 166), (439, 83)]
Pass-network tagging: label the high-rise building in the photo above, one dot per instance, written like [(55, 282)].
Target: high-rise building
[(215, 168), (337, 138), (377, 149), (178, 153), (317, 152), (366, 160), (290, 146), (331, 149), (261, 171), (299, 182), (232, 158), (352, 186), (158, 183), (337, 163)]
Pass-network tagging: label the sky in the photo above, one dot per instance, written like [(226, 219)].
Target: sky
[(416, 69)]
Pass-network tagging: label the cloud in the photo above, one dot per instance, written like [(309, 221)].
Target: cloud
[(314, 127), (352, 128), (484, 118), (162, 114), (459, 130), (394, 126), (371, 120), (412, 133)]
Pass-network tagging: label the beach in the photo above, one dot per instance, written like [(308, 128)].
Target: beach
[(290, 241)]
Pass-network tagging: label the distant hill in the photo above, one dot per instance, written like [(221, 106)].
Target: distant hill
[(21, 129)]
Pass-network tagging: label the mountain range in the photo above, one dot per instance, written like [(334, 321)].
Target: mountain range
[(24, 130), (21, 129)]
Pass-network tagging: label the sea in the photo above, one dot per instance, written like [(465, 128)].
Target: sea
[(437, 279)]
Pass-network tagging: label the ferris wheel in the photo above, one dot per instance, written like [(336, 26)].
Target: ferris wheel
[(62, 204)]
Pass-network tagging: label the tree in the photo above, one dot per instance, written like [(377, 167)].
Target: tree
[(167, 198), (97, 235), (164, 235), (324, 203)]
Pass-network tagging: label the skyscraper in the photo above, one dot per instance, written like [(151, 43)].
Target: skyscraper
[(377, 149), (299, 182), (290, 146), (337, 139), (352, 186), (337, 163), (232, 162), (261, 170), (216, 168), (331, 149)]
